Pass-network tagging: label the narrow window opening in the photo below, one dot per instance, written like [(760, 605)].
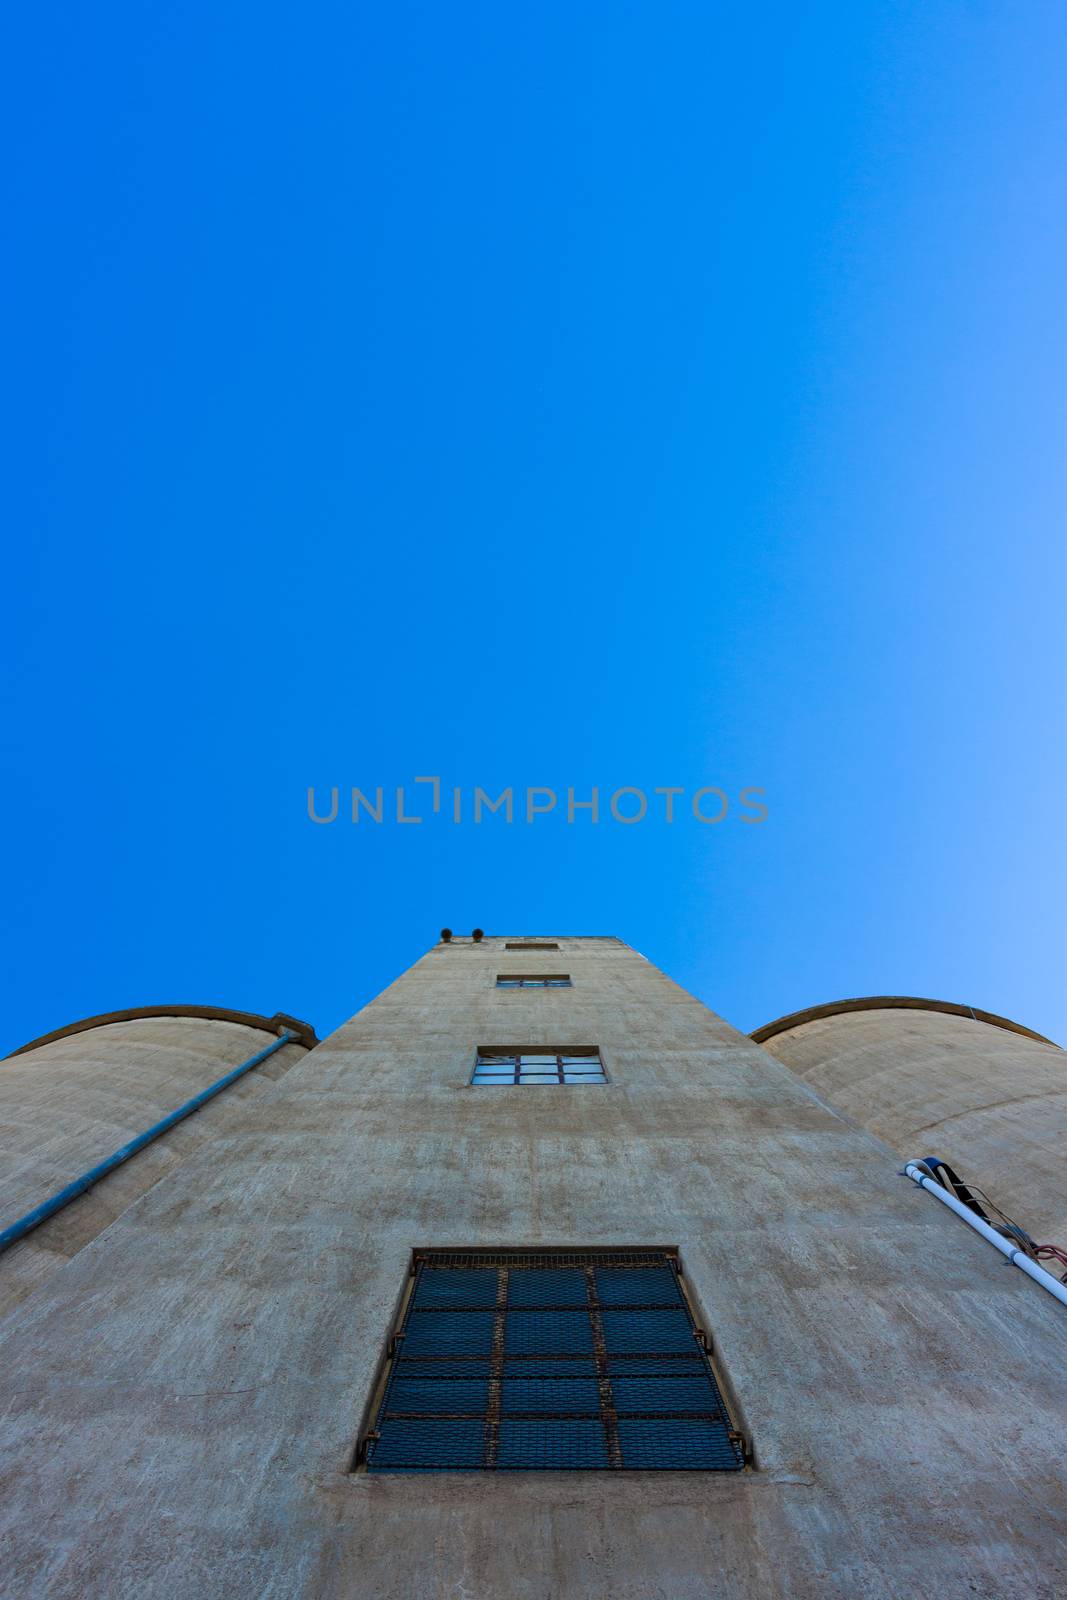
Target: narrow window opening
[(533, 980)]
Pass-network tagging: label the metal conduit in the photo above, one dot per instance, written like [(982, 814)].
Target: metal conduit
[(1007, 1247), (48, 1208)]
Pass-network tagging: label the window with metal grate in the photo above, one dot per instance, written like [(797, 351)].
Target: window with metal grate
[(581, 1064), (534, 1361)]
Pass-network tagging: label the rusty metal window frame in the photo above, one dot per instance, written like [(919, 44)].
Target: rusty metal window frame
[(549, 1360), (528, 1067), (533, 980)]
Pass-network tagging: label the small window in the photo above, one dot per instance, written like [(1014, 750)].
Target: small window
[(510, 980), (531, 947), (579, 1065), (532, 1361)]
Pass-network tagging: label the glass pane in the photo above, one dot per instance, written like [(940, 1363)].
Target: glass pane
[(638, 1286), (695, 1444), (457, 1445), (547, 1333), (538, 1061), (449, 1333), (547, 1286), (693, 1393), (444, 1286), (583, 1077), (631, 1332), (446, 1393), (427, 1368), (654, 1366), (561, 1367), (543, 1446), (552, 1394)]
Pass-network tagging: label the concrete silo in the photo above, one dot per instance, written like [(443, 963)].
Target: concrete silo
[(934, 1078), (71, 1099), (536, 1280)]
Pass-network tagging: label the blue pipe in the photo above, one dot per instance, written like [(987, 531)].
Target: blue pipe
[(49, 1207)]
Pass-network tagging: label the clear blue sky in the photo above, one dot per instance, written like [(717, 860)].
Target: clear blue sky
[(569, 394)]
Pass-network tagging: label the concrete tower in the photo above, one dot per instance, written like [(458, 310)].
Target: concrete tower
[(597, 1177)]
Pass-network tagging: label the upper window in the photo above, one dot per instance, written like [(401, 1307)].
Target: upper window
[(510, 980), (580, 1065), (531, 947), (527, 1361)]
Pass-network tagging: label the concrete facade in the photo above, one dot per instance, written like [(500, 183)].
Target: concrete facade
[(182, 1400), (932, 1080)]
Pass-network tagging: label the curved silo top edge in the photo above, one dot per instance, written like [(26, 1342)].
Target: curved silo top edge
[(278, 1023), (890, 1002)]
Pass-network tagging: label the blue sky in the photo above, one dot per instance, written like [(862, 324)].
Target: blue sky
[(566, 395)]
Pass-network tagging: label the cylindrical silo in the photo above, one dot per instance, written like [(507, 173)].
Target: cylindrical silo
[(69, 1100), (934, 1078)]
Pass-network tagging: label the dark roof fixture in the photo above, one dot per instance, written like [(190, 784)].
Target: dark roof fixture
[(477, 935), (446, 935)]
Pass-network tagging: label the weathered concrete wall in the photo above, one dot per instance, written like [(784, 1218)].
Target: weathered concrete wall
[(990, 1101), (182, 1400), (68, 1104)]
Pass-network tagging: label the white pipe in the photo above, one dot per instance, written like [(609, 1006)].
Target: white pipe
[(1017, 1257)]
